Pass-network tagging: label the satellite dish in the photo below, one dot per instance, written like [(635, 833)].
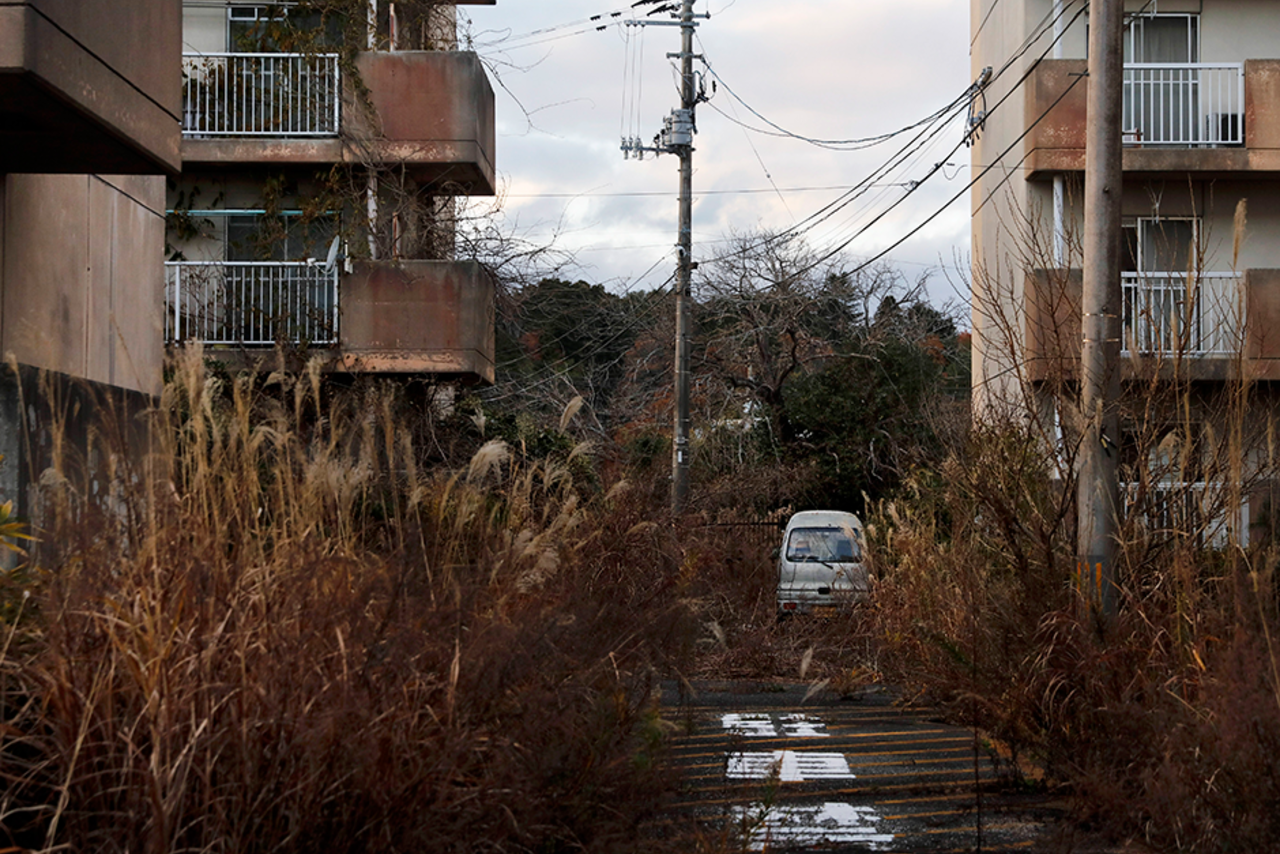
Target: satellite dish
[(331, 260)]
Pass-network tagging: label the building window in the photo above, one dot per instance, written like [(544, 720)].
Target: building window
[(289, 237), (1162, 38), (1160, 245), (276, 28)]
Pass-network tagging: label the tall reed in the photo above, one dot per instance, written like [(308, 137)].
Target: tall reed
[(284, 633)]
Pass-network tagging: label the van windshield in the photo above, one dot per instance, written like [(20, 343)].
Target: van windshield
[(835, 545)]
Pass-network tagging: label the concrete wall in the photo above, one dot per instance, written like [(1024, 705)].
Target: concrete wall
[(81, 286), (89, 86), (1004, 204), (204, 29), (1234, 30)]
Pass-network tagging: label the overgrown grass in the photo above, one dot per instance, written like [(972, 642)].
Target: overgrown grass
[(285, 634), (1165, 725)]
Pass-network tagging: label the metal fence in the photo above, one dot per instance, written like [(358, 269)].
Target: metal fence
[(1197, 104), (1195, 511), (1161, 317), (251, 303), (261, 94)]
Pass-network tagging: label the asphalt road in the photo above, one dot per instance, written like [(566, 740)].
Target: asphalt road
[(765, 770)]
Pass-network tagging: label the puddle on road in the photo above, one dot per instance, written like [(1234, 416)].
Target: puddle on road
[(819, 824), (766, 726), (792, 766)]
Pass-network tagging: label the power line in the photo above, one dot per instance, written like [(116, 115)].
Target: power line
[(592, 23), (985, 18), (835, 144), (983, 173), (1008, 173), (668, 194)]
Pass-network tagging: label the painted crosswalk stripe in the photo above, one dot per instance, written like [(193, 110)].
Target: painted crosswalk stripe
[(766, 726), (812, 825), (803, 726), (792, 766)]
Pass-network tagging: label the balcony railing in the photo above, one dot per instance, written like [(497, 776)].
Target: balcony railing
[(1166, 313), (251, 303), (1197, 511), (1192, 104), (261, 94)]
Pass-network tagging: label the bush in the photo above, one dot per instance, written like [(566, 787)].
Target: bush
[(286, 636), (1165, 723)]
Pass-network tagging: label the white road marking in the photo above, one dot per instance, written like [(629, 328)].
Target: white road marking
[(750, 726), (764, 726), (829, 824), (803, 726), (792, 766)]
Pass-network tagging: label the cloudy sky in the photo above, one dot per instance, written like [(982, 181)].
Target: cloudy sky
[(823, 69)]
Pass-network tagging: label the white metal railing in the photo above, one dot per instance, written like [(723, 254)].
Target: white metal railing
[(1198, 104), (1196, 510), (261, 94), (1175, 313), (251, 303)]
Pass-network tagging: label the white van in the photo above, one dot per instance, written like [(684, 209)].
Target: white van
[(820, 564)]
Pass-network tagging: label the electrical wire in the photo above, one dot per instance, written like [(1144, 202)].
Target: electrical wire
[(910, 148), (592, 23), (985, 18), (672, 193), (828, 211), (834, 144), (972, 182)]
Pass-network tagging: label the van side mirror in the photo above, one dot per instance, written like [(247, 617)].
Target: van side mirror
[(777, 552)]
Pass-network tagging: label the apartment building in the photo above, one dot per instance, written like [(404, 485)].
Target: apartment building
[(89, 126), (1201, 231), (255, 176), (323, 159)]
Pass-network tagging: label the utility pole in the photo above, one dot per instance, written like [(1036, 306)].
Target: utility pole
[(1098, 494), (677, 138)]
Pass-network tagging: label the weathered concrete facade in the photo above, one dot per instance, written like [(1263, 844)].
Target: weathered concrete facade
[(1201, 215), (89, 87), (91, 103), (353, 203), (428, 111), (1016, 217), (82, 293)]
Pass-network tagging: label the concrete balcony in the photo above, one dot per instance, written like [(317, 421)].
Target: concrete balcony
[(430, 112), (412, 317), (384, 317), (1210, 329), (1217, 119), (89, 87)]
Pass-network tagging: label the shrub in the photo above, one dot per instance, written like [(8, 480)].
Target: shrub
[(286, 635)]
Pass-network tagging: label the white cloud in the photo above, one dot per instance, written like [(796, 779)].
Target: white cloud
[(828, 68)]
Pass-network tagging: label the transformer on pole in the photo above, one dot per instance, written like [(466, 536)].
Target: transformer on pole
[(676, 138)]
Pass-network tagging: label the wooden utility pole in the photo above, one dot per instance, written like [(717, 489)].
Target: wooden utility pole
[(1098, 493)]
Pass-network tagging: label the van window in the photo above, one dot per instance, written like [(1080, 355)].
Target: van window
[(822, 544)]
